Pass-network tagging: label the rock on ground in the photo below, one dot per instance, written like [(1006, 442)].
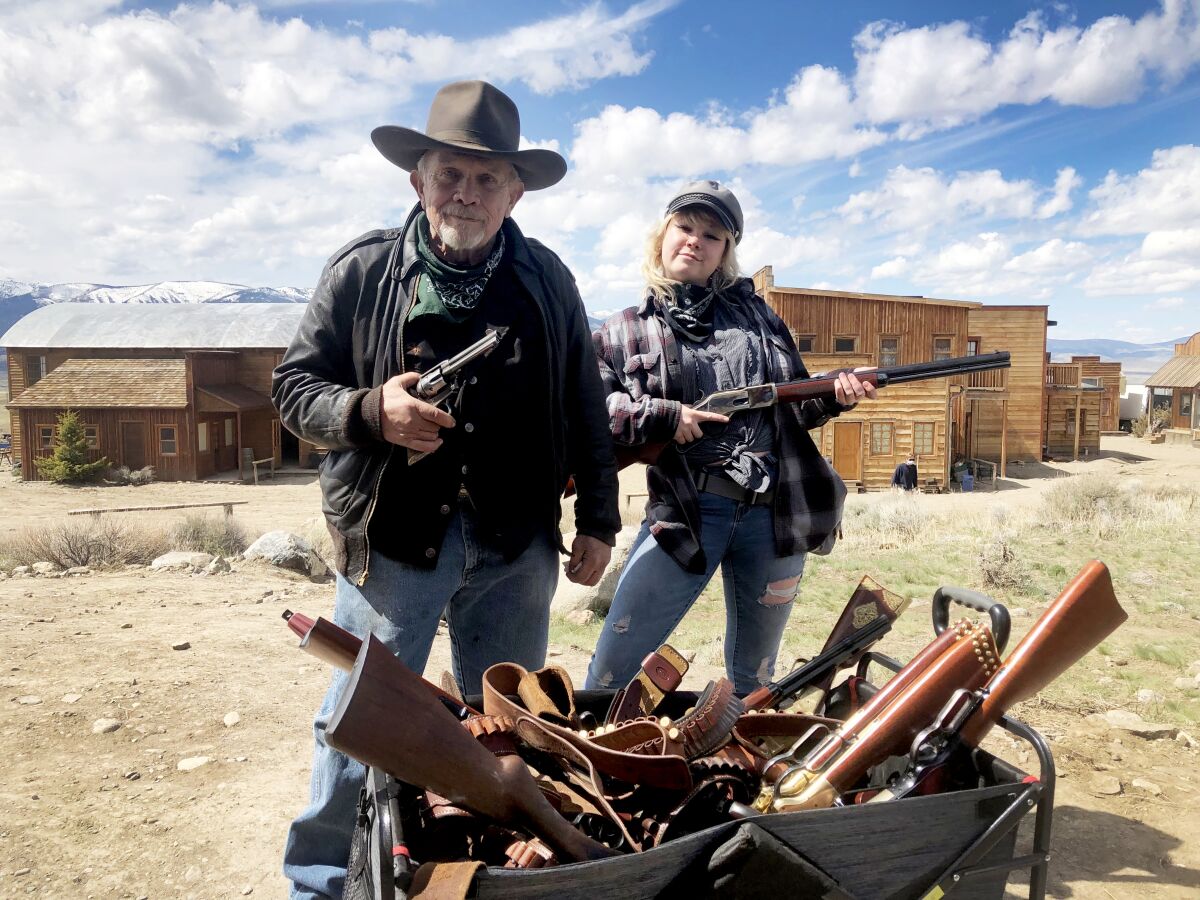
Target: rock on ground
[(288, 551)]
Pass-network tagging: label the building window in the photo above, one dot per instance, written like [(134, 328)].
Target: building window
[(1161, 398), (973, 346), (881, 438), (229, 432), (46, 437), (845, 344), (889, 351), (1185, 405), (167, 445), (91, 434), (923, 438), (804, 342), (35, 370), (202, 437), (942, 347)]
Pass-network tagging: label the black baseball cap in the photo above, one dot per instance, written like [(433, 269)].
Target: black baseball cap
[(717, 199)]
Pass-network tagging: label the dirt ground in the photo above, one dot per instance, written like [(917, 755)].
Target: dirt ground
[(111, 814)]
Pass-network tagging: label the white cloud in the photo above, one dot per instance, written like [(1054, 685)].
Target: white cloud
[(1066, 181), (921, 198), (1181, 244), (893, 268), (814, 120), (942, 75), (1054, 257), (1136, 275), (1164, 196), (1167, 303)]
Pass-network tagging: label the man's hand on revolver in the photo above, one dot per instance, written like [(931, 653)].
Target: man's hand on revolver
[(589, 559), (407, 421)]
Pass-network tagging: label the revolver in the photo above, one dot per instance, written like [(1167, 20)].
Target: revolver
[(442, 384)]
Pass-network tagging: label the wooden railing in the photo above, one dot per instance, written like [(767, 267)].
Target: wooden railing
[(1063, 374), (996, 379)]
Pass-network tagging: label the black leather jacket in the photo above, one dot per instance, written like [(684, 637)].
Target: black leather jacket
[(328, 387)]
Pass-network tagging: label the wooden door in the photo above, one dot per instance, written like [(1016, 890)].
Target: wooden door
[(847, 450), (133, 444)]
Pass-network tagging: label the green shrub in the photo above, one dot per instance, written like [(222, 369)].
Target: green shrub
[(98, 542), (216, 536), (69, 462)]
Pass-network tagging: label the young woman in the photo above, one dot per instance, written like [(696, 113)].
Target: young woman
[(749, 493)]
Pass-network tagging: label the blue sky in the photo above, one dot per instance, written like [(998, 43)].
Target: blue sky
[(1038, 153)]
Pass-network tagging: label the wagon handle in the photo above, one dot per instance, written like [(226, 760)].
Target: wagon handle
[(995, 611)]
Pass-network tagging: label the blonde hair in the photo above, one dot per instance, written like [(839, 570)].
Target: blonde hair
[(657, 281)]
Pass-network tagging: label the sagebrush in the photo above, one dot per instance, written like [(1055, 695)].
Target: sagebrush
[(214, 535), (99, 542)]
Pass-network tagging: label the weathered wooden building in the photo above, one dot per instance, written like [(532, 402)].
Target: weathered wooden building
[(183, 388), (996, 416), (1074, 411), (1107, 377), (1176, 387)]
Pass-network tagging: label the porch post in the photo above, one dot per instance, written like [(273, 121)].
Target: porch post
[(1078, 401), (1004, 438)]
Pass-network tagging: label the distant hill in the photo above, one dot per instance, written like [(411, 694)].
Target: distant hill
[(18, 298), (1138, 361)]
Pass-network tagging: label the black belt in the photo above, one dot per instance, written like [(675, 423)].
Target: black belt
[(714, 481)]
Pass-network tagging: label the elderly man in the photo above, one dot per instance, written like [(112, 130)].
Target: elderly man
[(471, 529)]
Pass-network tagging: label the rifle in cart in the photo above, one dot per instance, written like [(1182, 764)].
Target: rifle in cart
[(819, 388), (868, 616), (1084, 614)]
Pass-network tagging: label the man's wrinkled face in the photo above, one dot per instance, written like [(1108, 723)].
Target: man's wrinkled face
[(465, 197)]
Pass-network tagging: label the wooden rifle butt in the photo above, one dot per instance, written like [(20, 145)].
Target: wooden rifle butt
[(386, 718), (1083, 615)]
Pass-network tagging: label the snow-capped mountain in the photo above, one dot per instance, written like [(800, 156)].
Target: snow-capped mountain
[(19, 298)]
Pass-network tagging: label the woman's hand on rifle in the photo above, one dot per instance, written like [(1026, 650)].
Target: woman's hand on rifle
[(690, 421), (848, 389)]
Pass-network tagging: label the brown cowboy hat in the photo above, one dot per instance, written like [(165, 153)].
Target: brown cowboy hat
[(477, 118)]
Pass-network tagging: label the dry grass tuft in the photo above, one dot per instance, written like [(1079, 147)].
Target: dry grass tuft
[(100, 542), (1109, 508), (896, 521), (1001, 568), (216, 536)]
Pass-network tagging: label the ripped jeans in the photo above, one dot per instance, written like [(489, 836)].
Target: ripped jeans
[(654, 593)]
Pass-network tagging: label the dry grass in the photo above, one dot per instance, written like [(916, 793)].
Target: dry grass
[(214, 535), (101, 543)]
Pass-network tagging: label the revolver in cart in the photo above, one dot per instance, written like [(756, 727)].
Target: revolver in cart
[(441, 385)]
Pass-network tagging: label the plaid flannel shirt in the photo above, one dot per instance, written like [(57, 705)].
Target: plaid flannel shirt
[(640, 367)]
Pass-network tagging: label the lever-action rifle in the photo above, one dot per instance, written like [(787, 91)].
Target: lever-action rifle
[(1084, 614), (868, 616), (820, 388), (962, 655)]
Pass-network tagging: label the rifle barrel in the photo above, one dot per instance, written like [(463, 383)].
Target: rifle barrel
[(945, 368)]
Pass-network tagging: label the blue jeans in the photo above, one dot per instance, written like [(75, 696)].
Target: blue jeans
[(497, 612), (654, 593)]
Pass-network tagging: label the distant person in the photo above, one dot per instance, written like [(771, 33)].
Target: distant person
[(472, 529), (749, 493), (905, 476)]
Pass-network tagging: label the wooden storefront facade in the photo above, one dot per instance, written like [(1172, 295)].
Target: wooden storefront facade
[(998, 417), (934, 420)]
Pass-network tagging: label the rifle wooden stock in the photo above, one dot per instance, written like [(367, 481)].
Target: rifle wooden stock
[(868, 615), (339, 648), (962, 656), (387, 719), (1084, 614)]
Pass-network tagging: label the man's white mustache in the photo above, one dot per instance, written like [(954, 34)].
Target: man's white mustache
[(461, 212)]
